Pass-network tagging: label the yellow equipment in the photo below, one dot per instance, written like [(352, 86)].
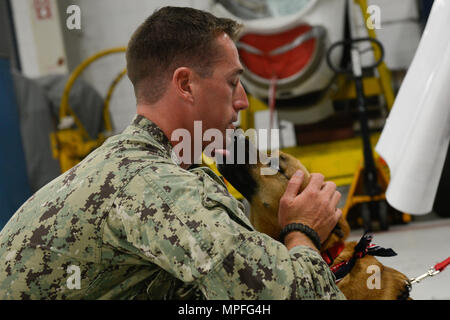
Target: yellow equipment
[(70, 145), (340, 161)]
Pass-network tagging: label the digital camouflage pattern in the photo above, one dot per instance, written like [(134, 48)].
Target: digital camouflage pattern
[(137, 226)]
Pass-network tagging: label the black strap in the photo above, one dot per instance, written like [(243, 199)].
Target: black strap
[(303, 229), (363, 248)]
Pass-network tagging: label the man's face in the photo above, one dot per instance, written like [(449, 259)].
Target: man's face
[(220, 97)]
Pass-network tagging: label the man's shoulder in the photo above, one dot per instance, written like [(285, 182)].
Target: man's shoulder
[(168, 180), (171, 177), (179, 189), (187, 191), (131, 143)]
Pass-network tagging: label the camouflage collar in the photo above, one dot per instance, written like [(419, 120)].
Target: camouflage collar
[(155, 132)]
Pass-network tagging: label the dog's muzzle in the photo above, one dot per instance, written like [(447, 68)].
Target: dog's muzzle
[(235, 164)]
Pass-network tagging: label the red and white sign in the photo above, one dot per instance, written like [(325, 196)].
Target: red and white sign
[(43, 9)]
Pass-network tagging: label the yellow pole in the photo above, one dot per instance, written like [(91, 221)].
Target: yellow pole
[(65, 109), (385, 75)]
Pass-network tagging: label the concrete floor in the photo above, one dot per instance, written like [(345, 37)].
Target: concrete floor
[(419, 244)]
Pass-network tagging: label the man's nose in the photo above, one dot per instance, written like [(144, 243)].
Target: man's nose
[(241, 100)]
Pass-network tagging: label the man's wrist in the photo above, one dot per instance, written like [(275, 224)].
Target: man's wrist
[(297, 238), (303, 228)]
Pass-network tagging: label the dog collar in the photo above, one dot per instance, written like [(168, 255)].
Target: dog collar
[(332, 253)]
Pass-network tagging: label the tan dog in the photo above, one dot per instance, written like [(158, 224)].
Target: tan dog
[(264, 193)]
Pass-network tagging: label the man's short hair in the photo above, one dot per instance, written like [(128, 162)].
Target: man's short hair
[(170, 38)]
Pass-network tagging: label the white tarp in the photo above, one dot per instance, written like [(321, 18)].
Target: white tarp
[(416, 136)]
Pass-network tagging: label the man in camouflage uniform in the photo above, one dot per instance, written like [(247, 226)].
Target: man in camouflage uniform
[(130, 223)]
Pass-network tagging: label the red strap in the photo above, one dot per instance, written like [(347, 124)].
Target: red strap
[(333, 252), (442, 265)]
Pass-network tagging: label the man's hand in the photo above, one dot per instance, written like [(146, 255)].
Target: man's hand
[(315, 206)]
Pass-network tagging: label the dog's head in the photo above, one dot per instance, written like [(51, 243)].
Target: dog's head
[(262, 179)]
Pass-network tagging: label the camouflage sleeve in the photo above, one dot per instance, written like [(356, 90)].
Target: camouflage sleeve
[(263, 269), (188, 225)]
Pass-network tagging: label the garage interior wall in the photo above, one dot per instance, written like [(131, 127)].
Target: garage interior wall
[(110, 23), (106, 24), (400, 31)]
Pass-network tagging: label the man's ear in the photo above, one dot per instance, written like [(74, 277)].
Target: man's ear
[(183, 79)]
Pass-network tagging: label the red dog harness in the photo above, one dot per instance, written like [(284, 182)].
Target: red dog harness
[(333, 253)]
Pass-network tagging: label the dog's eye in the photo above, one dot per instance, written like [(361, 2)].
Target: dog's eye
[(275, 165)]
